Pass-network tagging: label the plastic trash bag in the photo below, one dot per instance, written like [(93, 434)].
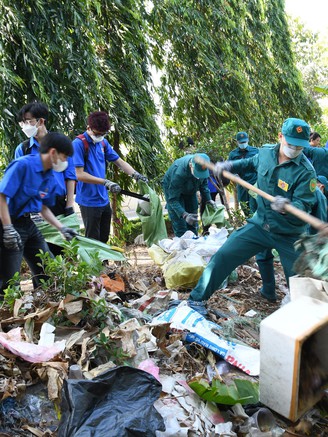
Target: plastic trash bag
[(214, 216), (153, 224), (117, 403), (86, 245), (313, 260), (183, 270)]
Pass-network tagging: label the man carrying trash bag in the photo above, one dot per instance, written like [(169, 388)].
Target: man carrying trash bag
[(180, 184)]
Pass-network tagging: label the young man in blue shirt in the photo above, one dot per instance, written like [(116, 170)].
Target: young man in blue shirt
[(91, 153), (29, 186), (32, 119)]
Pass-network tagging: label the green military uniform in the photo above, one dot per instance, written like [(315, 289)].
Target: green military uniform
[(319, 159), (267, 229), (180, 188), (319, 209), (248, 176)]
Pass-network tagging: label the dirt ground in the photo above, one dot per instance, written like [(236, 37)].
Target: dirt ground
[(227, 307)]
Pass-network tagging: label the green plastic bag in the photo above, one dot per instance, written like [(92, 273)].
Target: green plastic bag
[(86, 245), (151, 216), (212, 216), (313, 260)]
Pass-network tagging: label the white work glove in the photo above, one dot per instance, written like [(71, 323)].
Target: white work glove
[(11, 238), (191, 219), (68, 233), (112, 186), (212, 203), (279, 204), (220, 167), (139, 177)]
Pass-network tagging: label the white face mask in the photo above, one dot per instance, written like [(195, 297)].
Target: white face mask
[(29, 131), (60, 165), (96, 139), (292, 152), (242, 145)]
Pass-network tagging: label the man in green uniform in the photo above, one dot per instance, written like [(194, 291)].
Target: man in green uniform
[(244, 151), (284, 172), (180, 184)]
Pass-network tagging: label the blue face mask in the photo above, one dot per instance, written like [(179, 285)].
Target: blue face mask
[(242, 145)]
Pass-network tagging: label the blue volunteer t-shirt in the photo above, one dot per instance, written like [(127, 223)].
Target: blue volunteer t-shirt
[(94, 163), (27, 186), (61, 177)]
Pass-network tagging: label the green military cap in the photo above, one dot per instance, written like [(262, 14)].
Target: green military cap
[(296, 132)]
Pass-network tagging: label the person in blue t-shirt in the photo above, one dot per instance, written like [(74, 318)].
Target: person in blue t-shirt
[(244, 151), (91, 153), (32, 119), (29, 186)]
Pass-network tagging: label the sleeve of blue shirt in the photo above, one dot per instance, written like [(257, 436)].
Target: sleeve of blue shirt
[(19, 151), (11, 181), (69, 173), (78, 157), (110, 153)]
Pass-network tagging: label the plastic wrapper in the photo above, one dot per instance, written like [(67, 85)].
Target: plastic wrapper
[(202, 331)]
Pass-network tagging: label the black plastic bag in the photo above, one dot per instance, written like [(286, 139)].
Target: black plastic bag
[(117, 403)]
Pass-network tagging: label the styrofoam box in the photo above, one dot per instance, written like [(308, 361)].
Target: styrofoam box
[(294, 357)]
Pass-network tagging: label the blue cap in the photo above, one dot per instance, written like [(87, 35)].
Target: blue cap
[(200, 171)]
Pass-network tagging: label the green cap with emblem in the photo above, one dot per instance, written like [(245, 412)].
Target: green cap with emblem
[(200, 171), (296, 132)]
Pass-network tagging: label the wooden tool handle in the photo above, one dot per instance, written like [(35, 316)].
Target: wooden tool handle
[(302, 215)]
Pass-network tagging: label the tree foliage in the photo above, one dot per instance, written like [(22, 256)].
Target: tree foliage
[(77, 57), (222, 63), (226, 61), (310, 57)]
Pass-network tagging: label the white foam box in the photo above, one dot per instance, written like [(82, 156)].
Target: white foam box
[(294, 357)]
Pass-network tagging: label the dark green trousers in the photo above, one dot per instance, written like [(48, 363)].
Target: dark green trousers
[(244, 243)]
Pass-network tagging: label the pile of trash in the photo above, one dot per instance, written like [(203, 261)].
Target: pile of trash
[(126, 355), (183, 259)]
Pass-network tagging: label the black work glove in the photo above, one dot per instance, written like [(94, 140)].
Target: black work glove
[(279, 204), (112, 186), (11, 238), (68, 211), (139, 177), (212, 203), (191, 219), (68, 233), (220, 167)]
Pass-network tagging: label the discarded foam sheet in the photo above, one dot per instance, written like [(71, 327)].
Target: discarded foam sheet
[(300, 287), (201, 331)]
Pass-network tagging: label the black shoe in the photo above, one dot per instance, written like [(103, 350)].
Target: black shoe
[(268, 298)]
